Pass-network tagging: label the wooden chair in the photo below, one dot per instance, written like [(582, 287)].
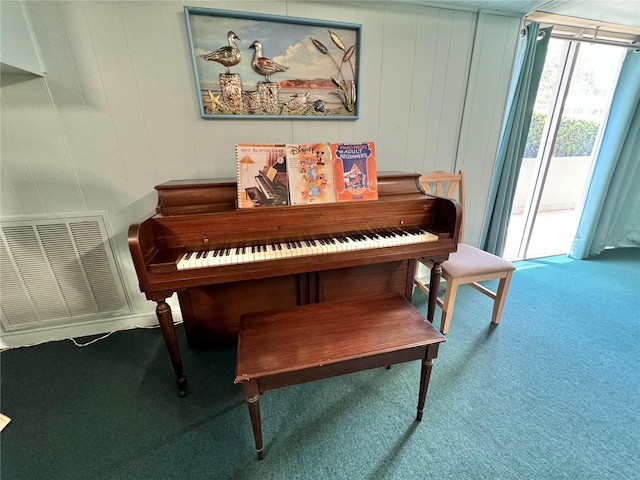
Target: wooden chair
[(469, 265)]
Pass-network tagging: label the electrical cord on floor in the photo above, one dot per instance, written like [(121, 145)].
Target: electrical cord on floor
[(149, 327), (92, 341), (102, 337)]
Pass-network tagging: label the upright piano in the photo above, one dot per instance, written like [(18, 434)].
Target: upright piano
[(224, 262)]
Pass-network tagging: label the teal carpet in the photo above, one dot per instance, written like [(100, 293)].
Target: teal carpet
[(553, 392)]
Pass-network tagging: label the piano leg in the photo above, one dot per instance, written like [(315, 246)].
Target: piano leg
[(434, 283), (163, 312)]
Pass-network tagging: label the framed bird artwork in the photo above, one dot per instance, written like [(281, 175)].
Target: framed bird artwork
[(249, 65)]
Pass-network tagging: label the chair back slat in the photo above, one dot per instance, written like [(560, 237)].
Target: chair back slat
[(450, 183)]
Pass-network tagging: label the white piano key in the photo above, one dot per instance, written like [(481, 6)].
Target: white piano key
[(260, 253), (244, 255), (218, 258), (276, 251), (182, 261)]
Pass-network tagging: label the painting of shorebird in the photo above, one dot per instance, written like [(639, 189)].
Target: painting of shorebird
[(269, 66)]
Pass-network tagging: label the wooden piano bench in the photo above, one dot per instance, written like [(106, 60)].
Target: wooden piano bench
[(311, 342)]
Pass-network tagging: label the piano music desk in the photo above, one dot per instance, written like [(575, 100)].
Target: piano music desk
[(311, 342)]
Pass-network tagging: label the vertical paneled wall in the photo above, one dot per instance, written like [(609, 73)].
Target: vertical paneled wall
[(116, 113), (487, 88)]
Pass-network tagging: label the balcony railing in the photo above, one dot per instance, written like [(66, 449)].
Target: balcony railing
[(559, 211)]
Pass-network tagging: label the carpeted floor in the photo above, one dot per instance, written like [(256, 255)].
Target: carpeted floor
[(553, 392)]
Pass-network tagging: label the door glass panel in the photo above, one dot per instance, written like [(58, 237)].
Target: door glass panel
[(586, 106), (542, 109), (563, 178)]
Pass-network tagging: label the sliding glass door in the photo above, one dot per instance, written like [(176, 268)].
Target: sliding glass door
[(571, 107)]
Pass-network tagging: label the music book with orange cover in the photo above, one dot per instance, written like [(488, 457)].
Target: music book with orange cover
[(310, 173), (262, 175), (355, 171)]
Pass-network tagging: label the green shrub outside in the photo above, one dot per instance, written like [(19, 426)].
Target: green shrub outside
[(575, 137)]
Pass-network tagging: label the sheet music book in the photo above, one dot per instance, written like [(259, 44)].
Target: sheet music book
[(261, 175), (311, 174), (355, 171)]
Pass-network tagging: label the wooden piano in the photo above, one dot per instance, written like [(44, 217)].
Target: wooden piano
[(224, 262)]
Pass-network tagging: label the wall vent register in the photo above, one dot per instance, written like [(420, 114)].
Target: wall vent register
[(58, 271)]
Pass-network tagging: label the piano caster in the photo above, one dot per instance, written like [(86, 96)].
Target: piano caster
[(182, 385)]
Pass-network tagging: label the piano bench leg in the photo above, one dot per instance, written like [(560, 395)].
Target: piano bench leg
[(253, 402), (425, 375)]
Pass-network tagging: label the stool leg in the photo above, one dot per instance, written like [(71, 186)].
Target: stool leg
[(253, 402), (425, 374)]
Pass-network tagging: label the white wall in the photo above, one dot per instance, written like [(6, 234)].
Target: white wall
[(116, 113)]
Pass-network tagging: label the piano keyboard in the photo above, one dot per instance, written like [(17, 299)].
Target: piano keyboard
[(266, 187), (301, 248)]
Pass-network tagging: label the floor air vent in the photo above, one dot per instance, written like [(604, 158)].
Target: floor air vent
[(58, 271)]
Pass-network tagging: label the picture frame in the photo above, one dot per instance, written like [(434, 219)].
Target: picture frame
[(259, 66)]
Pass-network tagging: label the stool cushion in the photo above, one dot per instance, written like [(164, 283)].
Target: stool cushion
[(469, 261)]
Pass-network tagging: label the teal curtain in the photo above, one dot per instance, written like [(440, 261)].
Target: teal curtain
[(611, 213), (529, 63)]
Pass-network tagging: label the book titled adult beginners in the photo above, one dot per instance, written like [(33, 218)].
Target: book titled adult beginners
[(261, 175), (355, 171)]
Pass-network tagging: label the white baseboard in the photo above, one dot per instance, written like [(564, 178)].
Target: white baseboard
[(27, 338)]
